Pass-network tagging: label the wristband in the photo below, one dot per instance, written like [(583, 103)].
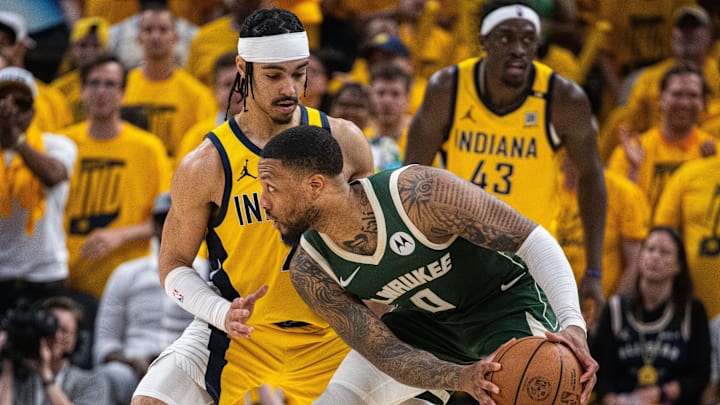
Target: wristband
[(593, 273), (45, 382), (185, 286)]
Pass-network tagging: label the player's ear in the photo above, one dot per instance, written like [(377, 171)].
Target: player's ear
[(316, 184)]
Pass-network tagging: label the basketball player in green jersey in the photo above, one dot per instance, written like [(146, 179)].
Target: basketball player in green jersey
[(501, 121), (463, 271)]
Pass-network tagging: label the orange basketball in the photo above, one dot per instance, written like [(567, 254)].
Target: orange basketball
[(536, 371)]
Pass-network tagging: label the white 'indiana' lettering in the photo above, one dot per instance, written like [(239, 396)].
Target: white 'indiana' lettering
[(499, 145)]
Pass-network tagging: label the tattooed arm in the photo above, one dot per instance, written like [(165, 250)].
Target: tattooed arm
[(443, 205), (368, 335)]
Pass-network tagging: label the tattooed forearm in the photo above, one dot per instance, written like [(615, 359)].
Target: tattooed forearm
[(364, 332), (444, 205)]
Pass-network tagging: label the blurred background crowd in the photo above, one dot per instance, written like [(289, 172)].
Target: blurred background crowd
[(81, 251)]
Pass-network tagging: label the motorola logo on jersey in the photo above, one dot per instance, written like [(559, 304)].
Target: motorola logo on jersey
[(402, 243)]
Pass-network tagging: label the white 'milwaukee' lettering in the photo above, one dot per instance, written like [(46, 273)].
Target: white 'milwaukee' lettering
[(248, 210), (415, 278), (499, 145)]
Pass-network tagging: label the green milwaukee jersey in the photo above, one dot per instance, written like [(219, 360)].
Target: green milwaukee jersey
[(457, 300)]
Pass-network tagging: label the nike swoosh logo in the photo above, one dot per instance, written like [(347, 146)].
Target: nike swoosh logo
[(345, 283), (505, 287)]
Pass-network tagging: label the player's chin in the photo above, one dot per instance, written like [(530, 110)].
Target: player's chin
[(282, 119), (290, 238)]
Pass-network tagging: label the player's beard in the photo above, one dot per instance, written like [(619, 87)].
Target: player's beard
[(282, 120), (293, 231)]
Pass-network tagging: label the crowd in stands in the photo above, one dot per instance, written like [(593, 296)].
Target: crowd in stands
[(101, 99)]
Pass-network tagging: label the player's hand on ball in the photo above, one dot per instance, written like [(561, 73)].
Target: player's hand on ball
[(474, 381), (576, 340), (240, 311)]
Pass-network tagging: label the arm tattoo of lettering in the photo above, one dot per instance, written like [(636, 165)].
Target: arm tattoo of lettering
[(367, 334), (444, 205), (365, 242)]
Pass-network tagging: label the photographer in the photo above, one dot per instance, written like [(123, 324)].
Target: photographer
[(36, 346)]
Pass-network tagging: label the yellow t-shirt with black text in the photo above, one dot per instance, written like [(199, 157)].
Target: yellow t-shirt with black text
[(114, 184)]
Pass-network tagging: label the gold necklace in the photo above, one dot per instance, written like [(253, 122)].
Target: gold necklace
[(647, 374)]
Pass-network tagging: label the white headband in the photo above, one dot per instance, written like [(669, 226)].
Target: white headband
[(509, 12), (274, 48)]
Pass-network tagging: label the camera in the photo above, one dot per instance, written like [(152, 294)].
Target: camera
[(25, 325)]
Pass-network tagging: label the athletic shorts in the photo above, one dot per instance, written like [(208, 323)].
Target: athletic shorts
[(299, 360), (377, 388), (177, 376)]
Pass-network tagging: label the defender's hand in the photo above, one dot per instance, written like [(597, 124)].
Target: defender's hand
[(240, 311)]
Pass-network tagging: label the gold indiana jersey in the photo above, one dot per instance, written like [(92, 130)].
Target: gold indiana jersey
[(245, 250), (515, 155)]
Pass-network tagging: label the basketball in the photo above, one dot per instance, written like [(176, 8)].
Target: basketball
[(536, 371)]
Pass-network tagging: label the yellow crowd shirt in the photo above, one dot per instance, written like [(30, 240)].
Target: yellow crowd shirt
[(69, 85), (691, 202), (641, 30), (643, 101), (52, 110), (117, 10), (172, 106), (114, 185), (212, 40), (662, 158), (193, 137), (514, 156), (627, 218)]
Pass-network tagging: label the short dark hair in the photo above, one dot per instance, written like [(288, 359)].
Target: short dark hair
[(306, 149), (390, 71), (99, 60), (153, 5), (223, 61), (683, 67), (351, 86)]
